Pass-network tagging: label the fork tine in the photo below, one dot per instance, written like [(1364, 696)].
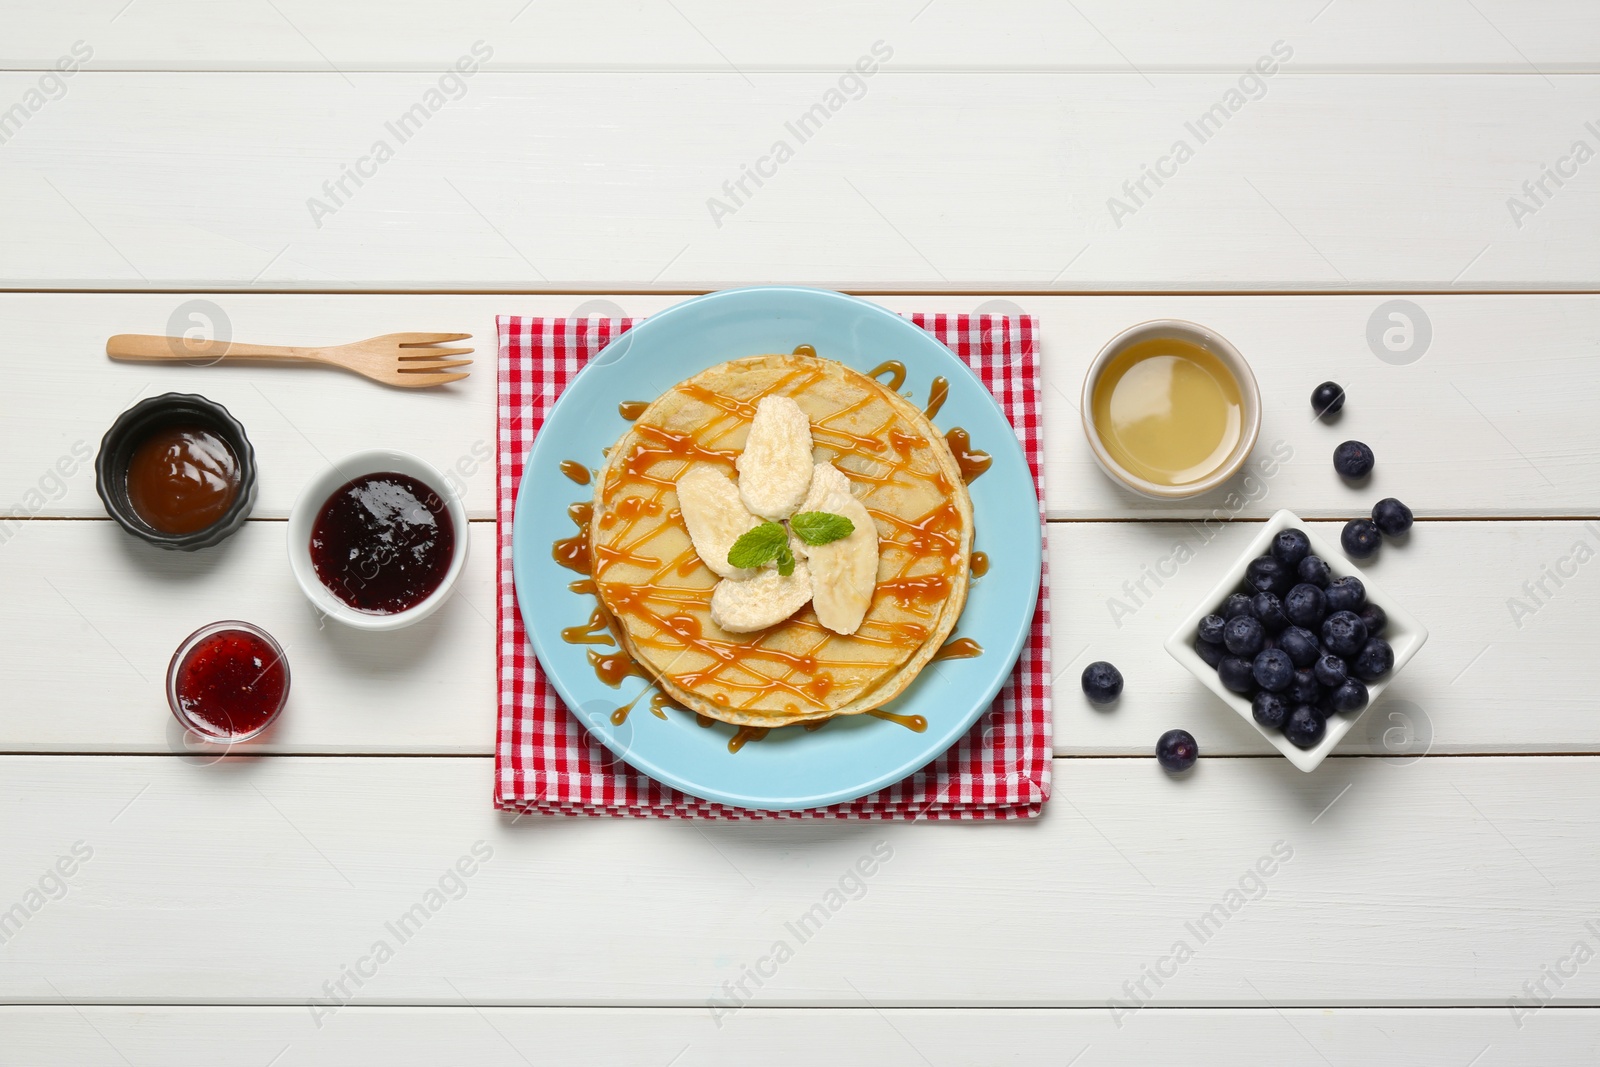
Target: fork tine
[(427, 368), (411, 340), (419, 381), (432, 353)]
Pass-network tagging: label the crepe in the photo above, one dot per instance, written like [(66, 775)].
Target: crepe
[(650, 579)]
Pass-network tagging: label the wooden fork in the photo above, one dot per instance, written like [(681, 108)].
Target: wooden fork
[(409, 360)]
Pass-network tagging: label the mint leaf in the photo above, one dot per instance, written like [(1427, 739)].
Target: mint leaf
[(785, 561), (765, 543), (821, 527)]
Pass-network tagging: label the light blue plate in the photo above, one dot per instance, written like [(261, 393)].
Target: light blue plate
[(791, 768)]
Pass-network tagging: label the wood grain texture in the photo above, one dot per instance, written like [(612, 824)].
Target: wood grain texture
[(1488, 422), (926, 182), (92, 617), (1092, 35), (1383, 882), (893, 1037)]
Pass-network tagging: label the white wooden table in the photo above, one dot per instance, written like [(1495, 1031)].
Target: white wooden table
[(1441, 902)]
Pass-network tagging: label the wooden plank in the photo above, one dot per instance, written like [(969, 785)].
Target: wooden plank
[(1456, 433), (616, 180), (1093, 35), (91, 619), (892, 1037), (1450, 882)]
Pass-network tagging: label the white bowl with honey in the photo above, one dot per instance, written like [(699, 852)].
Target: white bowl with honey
[(1171, 409)]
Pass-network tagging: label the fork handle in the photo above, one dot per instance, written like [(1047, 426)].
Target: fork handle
[(148, 348)]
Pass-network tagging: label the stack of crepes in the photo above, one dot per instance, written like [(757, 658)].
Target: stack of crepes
[(545, 760)]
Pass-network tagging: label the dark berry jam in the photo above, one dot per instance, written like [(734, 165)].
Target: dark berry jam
[(383, 543), (228, 683)]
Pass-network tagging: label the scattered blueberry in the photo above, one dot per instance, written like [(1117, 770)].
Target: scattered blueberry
[(1351, 696), (1343, 633), (1346, 594), (1266, 575), (1304, 689), (1305, 726), (1244, 636), (1209, 651), (1360, 538), (1268, 611), (1313, 571), (1176, 750), (1327, 399), (1353, 459), (1291, 546), (1269, 709), (1236, 674), (1374, 660), (1236, 605), (1273, 670), (1306, 605), (1102, 683), (1301, 645), (1391, 516), (1374, 618), (1330, 670), (1211, 628)]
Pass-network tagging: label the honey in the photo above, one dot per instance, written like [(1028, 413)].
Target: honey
[(1168, 411)]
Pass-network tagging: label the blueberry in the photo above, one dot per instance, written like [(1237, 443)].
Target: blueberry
[(1327, 399), (1236, 674), (1209, 651), (1211, 628), (1304, 689), (1290, 547), (1269, 709), (1176, 750), (1301, 645), (1268, 611), (1273, 670), (1243, 636), (1305, 605), (1353, 459), (1360, 538), (1266, 575), (1374, 618), (1102, 683), (1330, 670), (1343, 633), (1351, 696), (1236, 605), (1346, 594), (1375, 659), (1391, 516), (1313, 571), (1305, 726)]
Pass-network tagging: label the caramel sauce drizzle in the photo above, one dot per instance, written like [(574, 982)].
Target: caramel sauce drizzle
[(894, 369), (938, 393), (971, 461), (914, 723), (961, 648), (659, 703), (596, 632), (980, 564), (612, 667), (745, 735), (576, 471), (923, 589), (816, 724), (805, 350), (704, 721), (632, 409), (620, 716)]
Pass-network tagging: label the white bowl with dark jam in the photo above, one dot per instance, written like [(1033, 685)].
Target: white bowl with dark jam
[(377, 541)]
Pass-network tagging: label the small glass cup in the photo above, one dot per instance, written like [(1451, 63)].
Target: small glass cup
[(260, 716)]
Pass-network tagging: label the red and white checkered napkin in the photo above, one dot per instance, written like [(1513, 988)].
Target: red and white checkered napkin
[(546, 762)]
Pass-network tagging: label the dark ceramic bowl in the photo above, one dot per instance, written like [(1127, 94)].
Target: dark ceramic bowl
[(131, 429)]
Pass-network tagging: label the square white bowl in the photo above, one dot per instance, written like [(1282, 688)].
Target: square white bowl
[(1403, 632)]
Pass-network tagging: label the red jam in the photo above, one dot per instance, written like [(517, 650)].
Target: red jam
[(383, 543), (230, 684), (182, 479)]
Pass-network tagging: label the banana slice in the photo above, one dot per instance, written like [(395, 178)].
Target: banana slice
[(741, 607), (715, 516), (775, 466), (844, 573)]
